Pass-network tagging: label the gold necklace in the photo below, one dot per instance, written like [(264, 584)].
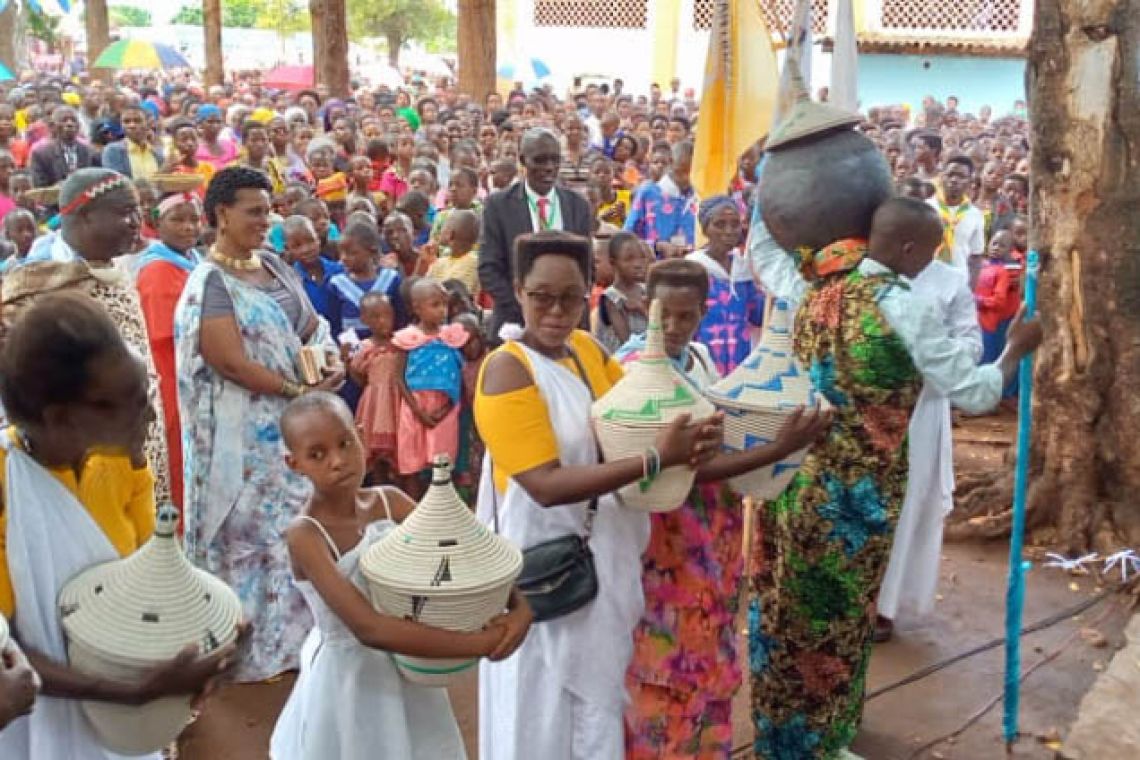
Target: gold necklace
[(248, 265)]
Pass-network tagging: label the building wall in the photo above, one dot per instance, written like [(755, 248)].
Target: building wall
[(889, 78)]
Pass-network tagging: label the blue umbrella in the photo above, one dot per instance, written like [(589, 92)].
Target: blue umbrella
[(528, 69), (5, 74)]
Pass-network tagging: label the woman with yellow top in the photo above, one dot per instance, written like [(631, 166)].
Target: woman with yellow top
[(75, 492), (561, 695)]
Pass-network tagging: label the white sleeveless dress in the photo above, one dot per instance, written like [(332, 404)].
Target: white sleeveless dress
[(349, 701)]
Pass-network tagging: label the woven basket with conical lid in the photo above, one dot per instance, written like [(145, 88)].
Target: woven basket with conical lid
[(758, 396), (124, 617), (443, 568), (648, 398)]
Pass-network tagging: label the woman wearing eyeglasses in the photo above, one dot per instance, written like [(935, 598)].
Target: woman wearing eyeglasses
[(561, 695)]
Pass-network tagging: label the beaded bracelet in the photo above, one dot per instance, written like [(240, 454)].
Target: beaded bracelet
[(650, 468)]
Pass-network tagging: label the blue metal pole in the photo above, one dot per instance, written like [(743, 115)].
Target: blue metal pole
[(1015, 592)]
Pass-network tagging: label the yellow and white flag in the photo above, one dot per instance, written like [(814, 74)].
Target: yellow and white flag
[(739, 93)]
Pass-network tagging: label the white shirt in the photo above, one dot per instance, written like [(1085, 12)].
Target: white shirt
[(553, 208), (950, 290), (969, 235), (593, 129), (946, 364)]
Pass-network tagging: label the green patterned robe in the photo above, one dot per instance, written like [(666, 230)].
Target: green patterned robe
[(827, 538)]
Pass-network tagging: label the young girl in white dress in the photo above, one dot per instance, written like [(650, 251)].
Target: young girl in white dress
[(349, 701)]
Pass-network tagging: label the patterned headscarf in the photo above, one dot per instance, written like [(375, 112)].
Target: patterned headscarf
[(709, 207)]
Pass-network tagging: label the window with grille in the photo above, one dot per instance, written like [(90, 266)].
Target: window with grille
[(777, 14), (606, 14), (964, 15)]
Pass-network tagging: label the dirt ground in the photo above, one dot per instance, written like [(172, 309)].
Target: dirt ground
[(970, 611)]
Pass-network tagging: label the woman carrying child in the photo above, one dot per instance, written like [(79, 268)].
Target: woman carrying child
[(350, 702)]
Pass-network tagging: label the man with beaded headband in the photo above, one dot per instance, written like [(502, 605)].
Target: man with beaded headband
[(100, 220)]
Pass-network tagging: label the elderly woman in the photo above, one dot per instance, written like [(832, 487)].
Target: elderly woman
[(734, 307), (99, 220), (561, 695), (239, 332), (160, 275)]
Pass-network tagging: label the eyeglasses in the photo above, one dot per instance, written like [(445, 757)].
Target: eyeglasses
[(566, 302)]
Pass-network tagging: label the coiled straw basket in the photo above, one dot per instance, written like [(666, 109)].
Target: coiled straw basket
[(123, 618), (758, 396), (628, 418), (443, 568)]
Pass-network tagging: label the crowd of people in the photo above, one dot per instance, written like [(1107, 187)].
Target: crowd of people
[(316, 296)]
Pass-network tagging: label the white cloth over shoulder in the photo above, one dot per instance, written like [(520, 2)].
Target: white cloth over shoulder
[(42, 557), (561, 695), (912, 574), (945, 363)]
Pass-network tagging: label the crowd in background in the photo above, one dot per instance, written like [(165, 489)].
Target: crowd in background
[(387, 240)]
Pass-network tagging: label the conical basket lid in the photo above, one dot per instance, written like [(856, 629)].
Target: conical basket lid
[(441, 548), (771, 376), (807, 119), (652, 391), (148, 606)]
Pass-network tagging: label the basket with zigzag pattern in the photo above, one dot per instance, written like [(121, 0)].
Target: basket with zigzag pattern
[(758, 396), (628, 418)]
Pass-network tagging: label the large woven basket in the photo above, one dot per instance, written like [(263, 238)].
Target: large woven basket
[(628, 418), (443, 568), (124, 617), (758, 396)]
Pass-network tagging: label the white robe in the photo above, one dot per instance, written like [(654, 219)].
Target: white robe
[(912, 574), (561, 695)]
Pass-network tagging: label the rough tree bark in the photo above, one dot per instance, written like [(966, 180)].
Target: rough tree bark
[(317, 30), (98, 26), (12, 38), (1084, 80), (476, 47), (330, 54), (395, 42), (212, 28)]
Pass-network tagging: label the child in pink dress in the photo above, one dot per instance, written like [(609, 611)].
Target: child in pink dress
[(375, 369), (430, 377)]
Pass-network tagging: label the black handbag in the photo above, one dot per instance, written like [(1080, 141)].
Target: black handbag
[(558, 576)]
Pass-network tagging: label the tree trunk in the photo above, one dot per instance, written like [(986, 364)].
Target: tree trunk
[(331, 39), (98, 34), (395, 42), (1084, 82), (476, 47), (212, 27), (9, 34), (317, 31)]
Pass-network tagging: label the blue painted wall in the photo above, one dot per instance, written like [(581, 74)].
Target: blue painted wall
[(996, 82)]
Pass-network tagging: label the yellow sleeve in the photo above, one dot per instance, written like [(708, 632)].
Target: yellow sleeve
[(601, 368), (515, 427), (141, 511)]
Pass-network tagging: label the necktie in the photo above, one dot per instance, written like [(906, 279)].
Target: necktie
[(543, 216)]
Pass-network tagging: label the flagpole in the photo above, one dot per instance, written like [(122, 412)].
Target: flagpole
[(1015, 591)]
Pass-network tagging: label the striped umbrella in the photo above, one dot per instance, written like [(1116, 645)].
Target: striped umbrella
[(527, 70), (140, 54)]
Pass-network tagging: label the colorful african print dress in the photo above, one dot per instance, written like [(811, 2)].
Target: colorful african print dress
[(827, 538)]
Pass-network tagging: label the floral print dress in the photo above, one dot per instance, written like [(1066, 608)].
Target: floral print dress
[(827, 538), (685, 669), (239, 494)]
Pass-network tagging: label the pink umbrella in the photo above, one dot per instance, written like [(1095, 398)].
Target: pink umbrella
[(289, 78)]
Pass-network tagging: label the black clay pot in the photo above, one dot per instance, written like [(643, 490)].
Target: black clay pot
[(816, 191)]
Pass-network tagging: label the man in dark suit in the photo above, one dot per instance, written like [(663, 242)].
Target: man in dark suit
[(528, 206), (54, 160)]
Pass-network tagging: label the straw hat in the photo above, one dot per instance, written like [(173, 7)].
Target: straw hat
[(807, 118), (628, 418), (758, 396), (443, 568), (124, 617)]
